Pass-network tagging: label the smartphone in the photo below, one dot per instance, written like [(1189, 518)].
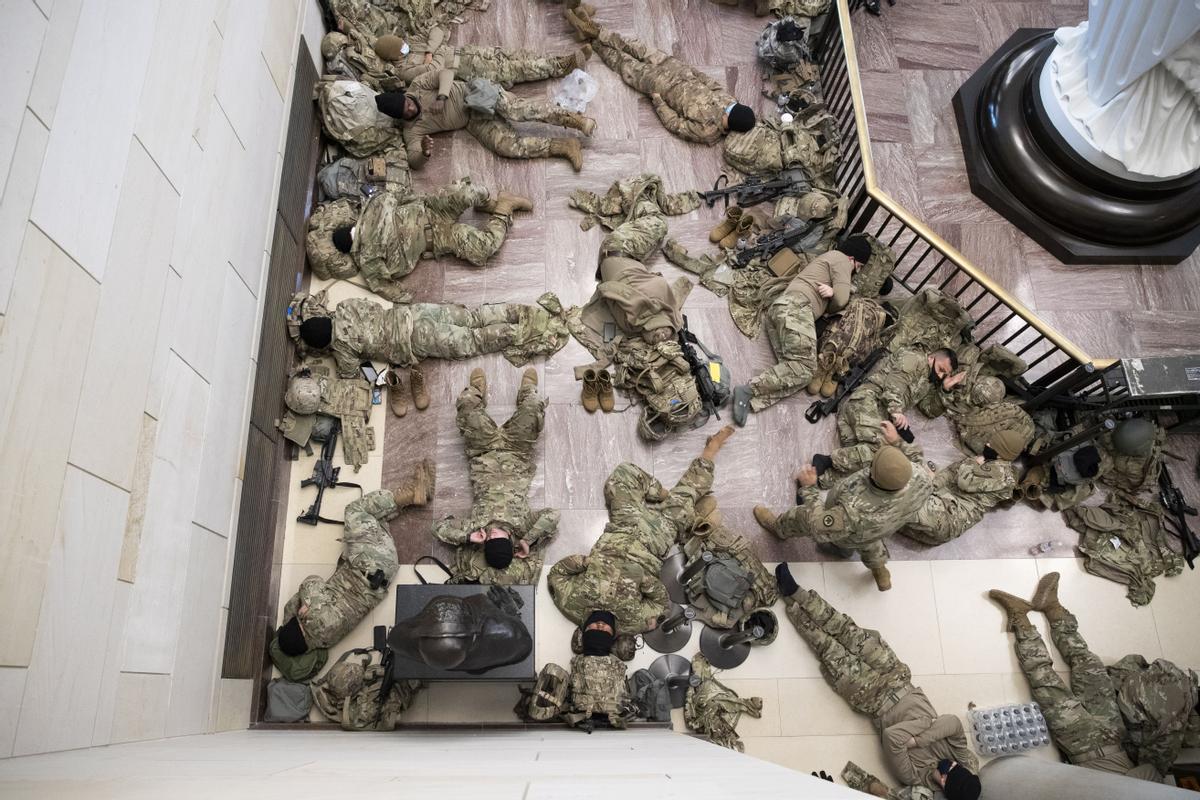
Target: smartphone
[(369, 372)]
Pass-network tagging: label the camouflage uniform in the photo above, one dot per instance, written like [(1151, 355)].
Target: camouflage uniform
[(505, 67), (394, 232), (980, 411), (895, 385), (598, 687), (1158, 705), (791, 327), (856, 515), (810, 142), (693, 104), (712, 709), (1084, 718), (621, 572), (352, 57), (338, 603), (962, 493), (373, 18), (350, 117), (494, 132), (405, 335), (502, 467), (865, 672)]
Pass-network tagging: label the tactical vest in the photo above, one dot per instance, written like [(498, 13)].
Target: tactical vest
[(659, 375), (869, 279), (1157, 700), (349, 115), (928, 321), (349, 694), (548, 697), (719, 587), (598, 687), (851, 337), (1134, 473), (793, 49)]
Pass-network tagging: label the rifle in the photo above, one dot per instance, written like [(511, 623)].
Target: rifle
[(705, 388), (387, 656), (846, 385), (768, 244), (325, 476), (1178, 512), (755, 190)]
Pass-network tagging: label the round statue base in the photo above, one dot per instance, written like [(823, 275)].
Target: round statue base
[(1020, 165)]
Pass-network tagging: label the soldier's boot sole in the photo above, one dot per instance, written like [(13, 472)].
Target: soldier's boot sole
[(883, 578), (478, 381), (604, 391), (397, 399), (416, 383), (589, 397), (725, 226), (1045, 597), (1016, 609), (569, 149), (766, 519)]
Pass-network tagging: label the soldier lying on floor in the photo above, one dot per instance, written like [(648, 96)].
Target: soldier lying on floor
[(324, 610), (394, 232), (620, 574), (1131, 718), (502, 541), (928, 752)]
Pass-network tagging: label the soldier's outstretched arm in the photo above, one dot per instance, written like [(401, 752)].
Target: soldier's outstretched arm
[(388, 290), (630, 486), (544, 527), (655, 599), (452, 532), (682, 126)]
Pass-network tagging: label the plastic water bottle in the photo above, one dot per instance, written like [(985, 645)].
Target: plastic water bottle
[(1044, 547)]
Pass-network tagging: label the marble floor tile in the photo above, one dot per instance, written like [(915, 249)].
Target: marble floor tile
[(960, 588)]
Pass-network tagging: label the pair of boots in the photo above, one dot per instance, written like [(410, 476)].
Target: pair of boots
[(1045, 600), (398, 399), (417, 489), (478, 381), (738, 224), (580, 15), (824, 385), (597, 391), (504, 204)]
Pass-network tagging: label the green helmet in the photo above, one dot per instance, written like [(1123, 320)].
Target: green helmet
[(1134, 437)]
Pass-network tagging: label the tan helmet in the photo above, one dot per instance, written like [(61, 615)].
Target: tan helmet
[(389, 47), (891, 469), (814, 205), (303, 394), (1008, 444), (331, 43), (987, 391)]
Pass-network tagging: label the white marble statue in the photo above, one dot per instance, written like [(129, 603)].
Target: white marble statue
[(1123, 88)]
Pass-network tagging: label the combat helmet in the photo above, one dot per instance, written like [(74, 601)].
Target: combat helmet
[(303, 395), (1134, 437)]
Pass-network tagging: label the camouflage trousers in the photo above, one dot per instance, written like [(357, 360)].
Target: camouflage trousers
[(509, 67), (858, 422), (792, 332), (942, 520), (795, 523), (857, 663), (1084, 716), (517, 435), (860, 780), (638, 238), (497, 134), (473, 245), (646, 69), (452, 331)]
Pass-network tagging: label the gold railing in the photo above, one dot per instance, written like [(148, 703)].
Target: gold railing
[(923, 257)]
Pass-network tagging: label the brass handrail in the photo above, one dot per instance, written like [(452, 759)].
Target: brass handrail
[(901, 213)]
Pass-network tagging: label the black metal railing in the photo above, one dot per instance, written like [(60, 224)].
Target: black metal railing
[(922, 258)]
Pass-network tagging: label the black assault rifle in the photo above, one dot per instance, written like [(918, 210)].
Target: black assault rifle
[(705, 388), (754, 190), (387, 656), (846, 385), (1178, 512), (768, 244), (325, 476)]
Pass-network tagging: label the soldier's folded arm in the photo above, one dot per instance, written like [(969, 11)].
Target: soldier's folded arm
[(388, 290), (913, 451), (682, 126), (895, 741), (413, 146), (445, 82), (451, 531), (655, 597), (944, 727), (544, 527)]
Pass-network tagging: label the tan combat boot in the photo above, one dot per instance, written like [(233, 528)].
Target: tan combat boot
[(767, 519), (529, 378), (1016, 609), (417, 489), (506, 203), (590, 396), (726, 226), (814, 386), (416, 381), (397, 399), (878, 789), (1045, 598), (707, 511), (581, 21), (741, 229), (478, 381), (828, 388), (883, 578), (568, 149), (604, 391), (585, 125)]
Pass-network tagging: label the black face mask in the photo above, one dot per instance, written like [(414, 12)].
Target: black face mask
[(597, 643), (989, 454)]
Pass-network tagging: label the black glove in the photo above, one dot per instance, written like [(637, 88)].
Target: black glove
[(823, 775), (906, 434), (783, 577), (822, 462), (377, 580)]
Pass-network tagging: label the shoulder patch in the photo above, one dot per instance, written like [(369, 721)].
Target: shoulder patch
[(834, 519)]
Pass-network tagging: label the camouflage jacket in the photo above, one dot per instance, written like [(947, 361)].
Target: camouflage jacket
[(693, 108), (1158, 703), (389, 241), (712, 709), (962, 493), (469, 563), (338, 603), (807, 142), (929, 320), (326, 260), (598, 687), (898, 382), (856, 513), (350, 116), (580, 585), (622, 200)]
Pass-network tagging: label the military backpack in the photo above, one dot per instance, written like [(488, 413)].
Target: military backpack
[(349, 693)]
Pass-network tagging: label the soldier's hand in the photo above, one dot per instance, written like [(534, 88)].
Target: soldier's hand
[(953, 380), (652, 623), (890, 434), (806, 475), (900, 420), (438, 105), (825, 290), (656, 98), (521, 549), (477, 537), (427, 145), (429, 58)]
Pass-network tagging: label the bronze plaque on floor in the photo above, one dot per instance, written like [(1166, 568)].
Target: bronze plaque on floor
[(463, 633)]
